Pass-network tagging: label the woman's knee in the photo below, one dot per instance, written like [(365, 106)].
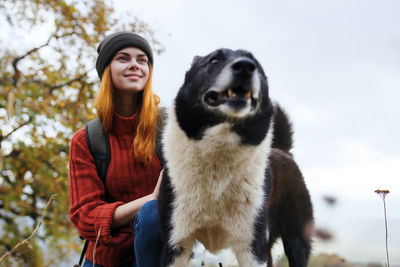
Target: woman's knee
[(147, 218), (147, 235)]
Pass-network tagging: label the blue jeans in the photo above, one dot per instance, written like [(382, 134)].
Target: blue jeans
[(146, 230), (147, 243)]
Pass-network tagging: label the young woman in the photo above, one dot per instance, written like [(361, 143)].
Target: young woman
[(121, 215)]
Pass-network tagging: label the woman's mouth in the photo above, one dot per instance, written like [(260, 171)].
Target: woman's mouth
[(132, 76)]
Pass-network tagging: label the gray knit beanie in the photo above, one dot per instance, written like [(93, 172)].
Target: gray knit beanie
[(115, 42)]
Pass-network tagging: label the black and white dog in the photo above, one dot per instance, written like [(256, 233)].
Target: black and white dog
[(217, 185)]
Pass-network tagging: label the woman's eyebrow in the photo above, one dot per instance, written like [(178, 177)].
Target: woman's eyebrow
[(128, 54), (123, 53)]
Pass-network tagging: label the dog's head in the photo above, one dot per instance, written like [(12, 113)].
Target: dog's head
[(222, 86)]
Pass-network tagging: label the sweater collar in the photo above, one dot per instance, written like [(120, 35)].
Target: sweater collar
[(125, 125)]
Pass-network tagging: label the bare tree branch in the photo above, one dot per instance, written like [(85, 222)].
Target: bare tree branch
[(15, 129), (6, 178), (54, 87), (26, 241), (14, 154), (15, 62), (79, 78)]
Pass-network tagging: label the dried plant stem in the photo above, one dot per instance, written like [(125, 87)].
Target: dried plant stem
[(95, 245), (26, 241), (386, 231), (382, 194)]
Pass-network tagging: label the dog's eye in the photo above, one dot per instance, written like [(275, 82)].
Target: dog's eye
[(214, 60)]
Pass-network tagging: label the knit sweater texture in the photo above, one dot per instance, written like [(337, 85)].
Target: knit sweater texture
[(126, 180)]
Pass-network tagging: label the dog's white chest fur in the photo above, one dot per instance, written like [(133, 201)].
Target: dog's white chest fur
[(217, 183)]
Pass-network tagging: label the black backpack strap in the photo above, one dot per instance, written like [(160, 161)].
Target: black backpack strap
[(83, 253), (99, 146)]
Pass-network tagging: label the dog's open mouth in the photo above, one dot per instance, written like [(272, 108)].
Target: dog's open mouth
[(237, 97)]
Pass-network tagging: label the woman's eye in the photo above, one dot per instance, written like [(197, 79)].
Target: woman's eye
[(214, 60), (142, 60), (123, 58)]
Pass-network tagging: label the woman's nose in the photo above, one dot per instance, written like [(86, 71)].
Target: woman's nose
[(133, 64)]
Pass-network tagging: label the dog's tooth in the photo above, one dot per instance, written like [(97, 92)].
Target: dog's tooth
[(230, 93)]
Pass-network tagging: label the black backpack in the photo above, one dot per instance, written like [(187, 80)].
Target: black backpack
[(99, 147)]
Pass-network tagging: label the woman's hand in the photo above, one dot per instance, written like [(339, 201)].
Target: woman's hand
[(157, 188), (125, 213)]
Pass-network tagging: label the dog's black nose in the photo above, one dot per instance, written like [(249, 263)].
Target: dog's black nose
[(244, 66)]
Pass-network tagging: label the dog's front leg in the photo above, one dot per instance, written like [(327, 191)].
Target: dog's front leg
[(178, 257), (246, 258), (183, 259)]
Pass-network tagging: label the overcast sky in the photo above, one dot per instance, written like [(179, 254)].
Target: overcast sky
[(335, 67)]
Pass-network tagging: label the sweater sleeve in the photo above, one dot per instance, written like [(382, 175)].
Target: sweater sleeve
[(89, 211)]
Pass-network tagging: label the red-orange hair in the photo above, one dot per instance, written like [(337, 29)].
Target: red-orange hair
[(144, 143)]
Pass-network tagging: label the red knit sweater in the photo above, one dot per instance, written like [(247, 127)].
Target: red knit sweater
[(126, 180)]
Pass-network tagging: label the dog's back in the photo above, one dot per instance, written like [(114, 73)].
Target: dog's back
[(290, 207)]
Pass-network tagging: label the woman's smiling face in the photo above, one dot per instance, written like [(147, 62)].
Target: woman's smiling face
[(129, 70)]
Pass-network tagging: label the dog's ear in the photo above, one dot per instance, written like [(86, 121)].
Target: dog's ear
[(195, 60)]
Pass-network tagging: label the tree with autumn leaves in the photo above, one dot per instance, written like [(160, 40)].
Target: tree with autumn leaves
[(47, 84)]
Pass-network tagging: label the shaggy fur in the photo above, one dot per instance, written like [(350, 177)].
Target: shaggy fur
[(217, 182)]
